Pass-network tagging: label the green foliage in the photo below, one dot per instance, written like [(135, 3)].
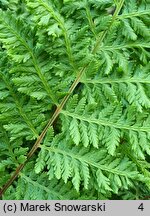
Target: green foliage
[(96, 53)]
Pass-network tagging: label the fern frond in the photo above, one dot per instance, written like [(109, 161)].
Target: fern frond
[(133, 89), (74, 75), (16, 38), (108, 125), (76, 163)]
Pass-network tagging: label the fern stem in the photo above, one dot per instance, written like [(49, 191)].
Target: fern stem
[(60, 107), (91, 23), (56, 113), (40, 138), (135, 14), (121, 80), (102, 36), (19, 168), (128, 46), (106, 122)]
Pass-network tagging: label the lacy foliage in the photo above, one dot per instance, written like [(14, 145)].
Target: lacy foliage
[(99, 146)]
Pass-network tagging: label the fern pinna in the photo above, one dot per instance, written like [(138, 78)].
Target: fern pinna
[(74, 99)]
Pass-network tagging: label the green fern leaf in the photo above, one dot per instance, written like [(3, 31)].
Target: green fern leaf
[(74, 90)]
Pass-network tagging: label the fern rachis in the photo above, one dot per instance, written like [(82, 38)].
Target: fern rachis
[(91, 65)]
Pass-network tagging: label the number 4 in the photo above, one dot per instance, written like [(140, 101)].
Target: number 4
[(141, 207)]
